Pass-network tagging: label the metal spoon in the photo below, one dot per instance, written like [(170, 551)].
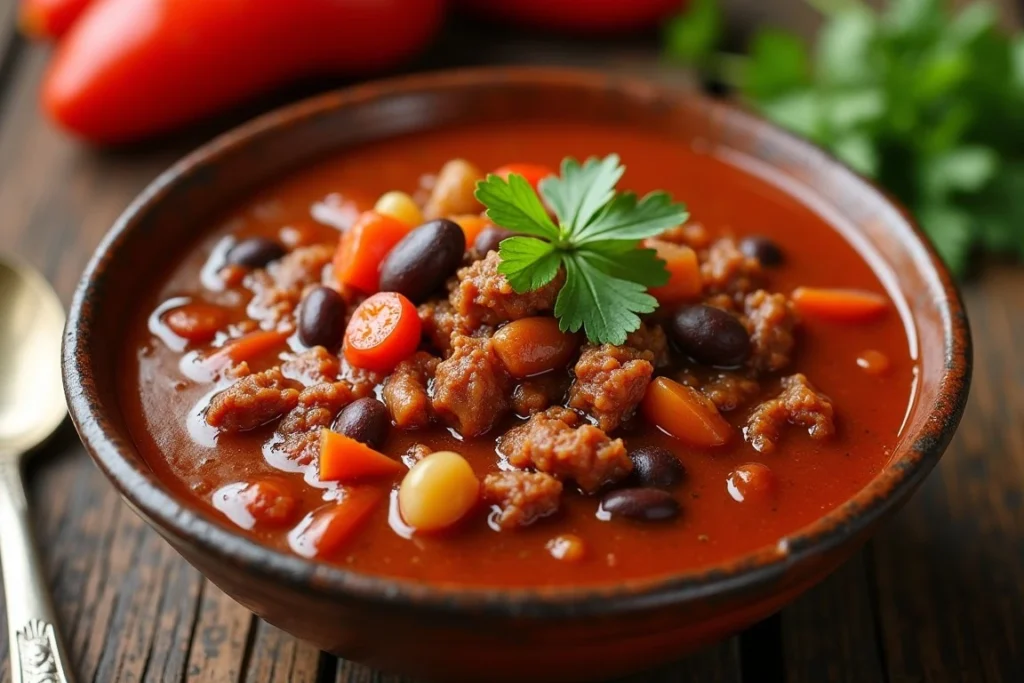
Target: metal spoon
[(31, 408)]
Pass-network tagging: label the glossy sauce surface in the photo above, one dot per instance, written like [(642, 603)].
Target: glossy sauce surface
[(812, 477)]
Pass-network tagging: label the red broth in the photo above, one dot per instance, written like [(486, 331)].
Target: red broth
[(724, 194)]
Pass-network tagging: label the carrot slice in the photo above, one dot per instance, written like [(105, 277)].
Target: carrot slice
[(685, 413), (363, 247), (383, 331), (472, 225), (534, 173), (248, 347), (325, 530), (684, 281), (839, 305), (344, 459)]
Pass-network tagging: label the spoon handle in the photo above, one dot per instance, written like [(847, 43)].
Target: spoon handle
[(37, 653)]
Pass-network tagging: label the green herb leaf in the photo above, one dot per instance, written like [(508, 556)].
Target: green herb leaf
[(928, 100), (581, 191), (528, 263), (844, 48), (625, 218), (694, 34), (605, 307), (514, 205), (626, 261), (597, 242), (779, 63)]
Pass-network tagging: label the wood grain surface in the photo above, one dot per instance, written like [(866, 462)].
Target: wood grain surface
[(937, 596)]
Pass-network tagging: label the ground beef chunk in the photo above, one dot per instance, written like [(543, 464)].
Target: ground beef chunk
[(252, 401), (560, 443), (539, 393), (300, 429), (362, 382), (471, 386), (482, 295), (610, 381), (693, 235), (650, 337), (521, 498), (529, 398), (770, 320), (727, 390), (278, 288), (313, 366), (405, 391), (440, 322), (798, 404), (725, 269)]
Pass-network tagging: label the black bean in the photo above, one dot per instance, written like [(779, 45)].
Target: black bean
[(489, 239), (423, 260), (366, 420), (657, 467), (254, 252), (710, 335), (640, 503), (322, 318), (763, 249)]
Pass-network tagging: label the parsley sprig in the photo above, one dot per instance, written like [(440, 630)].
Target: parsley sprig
[(928, 100), (596, 240)]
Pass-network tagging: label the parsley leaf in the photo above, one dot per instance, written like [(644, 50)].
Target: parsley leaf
[(596, 241), (625, 218), (582, 191), (514, 205), (924, 97), (627, 261), (528, 263), (606, 307)]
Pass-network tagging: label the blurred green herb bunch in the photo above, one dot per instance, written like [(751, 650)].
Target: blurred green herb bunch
[(928, 101)]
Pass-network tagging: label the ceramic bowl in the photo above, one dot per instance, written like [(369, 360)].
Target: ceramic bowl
[(487, 634)]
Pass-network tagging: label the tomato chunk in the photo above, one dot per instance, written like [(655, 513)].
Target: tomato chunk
[(363, 247), (383, 331), (839, 305), (533, 173), (263, 502), (685, 413), (346, 460), (752, 483)]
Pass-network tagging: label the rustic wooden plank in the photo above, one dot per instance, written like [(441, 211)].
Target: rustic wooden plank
[(950, 567), (829, 633), (276, 656), (222, 639), (719, 663)]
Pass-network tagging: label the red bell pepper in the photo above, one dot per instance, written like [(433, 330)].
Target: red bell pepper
[(132, 68), (579, 16), (49, 19)]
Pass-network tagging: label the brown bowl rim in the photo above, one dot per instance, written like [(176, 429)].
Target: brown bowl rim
[(744, 575)]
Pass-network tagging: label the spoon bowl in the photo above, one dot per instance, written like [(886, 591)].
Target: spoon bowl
[(31, 398)]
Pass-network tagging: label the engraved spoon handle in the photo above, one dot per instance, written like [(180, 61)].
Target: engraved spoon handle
[(37, 654)]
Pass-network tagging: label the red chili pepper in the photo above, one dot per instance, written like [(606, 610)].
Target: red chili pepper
[(132, 68), (591, 16), (49, 19)]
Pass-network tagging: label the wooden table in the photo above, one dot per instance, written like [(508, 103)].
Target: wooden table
[(938, 595)]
